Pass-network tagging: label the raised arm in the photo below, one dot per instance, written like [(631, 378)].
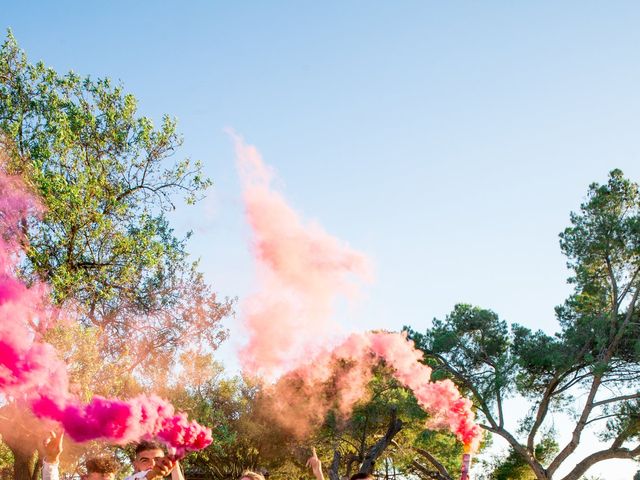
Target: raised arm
[(315, 464), (176, 473), (51, 448)]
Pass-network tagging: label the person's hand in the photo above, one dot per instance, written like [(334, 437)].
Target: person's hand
[(176, 473), (161, 469), (52, 447), (315, 464)]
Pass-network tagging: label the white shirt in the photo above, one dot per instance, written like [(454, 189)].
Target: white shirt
[(50, 471), (135, 476)]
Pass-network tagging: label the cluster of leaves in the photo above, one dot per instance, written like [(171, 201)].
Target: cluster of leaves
[(104, 242)]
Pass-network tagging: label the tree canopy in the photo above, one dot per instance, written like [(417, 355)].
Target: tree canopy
[(592, 361), (107, 178)]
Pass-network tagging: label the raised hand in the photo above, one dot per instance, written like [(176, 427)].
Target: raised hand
[(52, 447), (162, 468), (315, 464)]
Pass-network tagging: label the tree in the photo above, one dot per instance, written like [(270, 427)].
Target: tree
[(593, 361), (104, 243), (514, 467), (386, 434), (244, 436)]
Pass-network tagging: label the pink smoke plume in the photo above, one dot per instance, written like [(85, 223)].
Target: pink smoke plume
[(31, 371), (302, 271)]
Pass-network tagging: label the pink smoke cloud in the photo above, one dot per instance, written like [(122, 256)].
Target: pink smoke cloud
[(125, 421), (31, 371), (293, 338), (301, 269)]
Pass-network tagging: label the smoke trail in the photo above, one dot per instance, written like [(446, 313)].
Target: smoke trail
[(31, 372), (301, 272)]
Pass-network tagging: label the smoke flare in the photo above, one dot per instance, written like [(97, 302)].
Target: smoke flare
[(302, 270)]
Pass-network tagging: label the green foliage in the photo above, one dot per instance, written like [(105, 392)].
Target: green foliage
[(243, 437), (6, 462), (591, 364), (476, 344), (352, 437), (539, 357), (514, 467), (106, 179), (106, 182), (89, 372)]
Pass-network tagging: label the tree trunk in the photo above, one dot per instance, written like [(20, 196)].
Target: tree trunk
[(334, 473), (441, 472), (21, 434), (374, 452), (24, 465)]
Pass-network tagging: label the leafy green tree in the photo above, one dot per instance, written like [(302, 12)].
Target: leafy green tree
[(106, 178), (386, 435), (592, 362), (244, 436), (514, 467)]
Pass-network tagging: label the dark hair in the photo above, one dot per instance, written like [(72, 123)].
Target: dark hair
[(102, 465), (361, 476), (146, 445)]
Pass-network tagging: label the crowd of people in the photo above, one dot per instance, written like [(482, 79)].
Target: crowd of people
[(150, 463)]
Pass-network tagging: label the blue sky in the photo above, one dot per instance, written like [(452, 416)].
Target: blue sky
[(448, 141)]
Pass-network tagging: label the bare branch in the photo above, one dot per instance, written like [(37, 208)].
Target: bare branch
[(616, 399), (599, 456), (439, 466)]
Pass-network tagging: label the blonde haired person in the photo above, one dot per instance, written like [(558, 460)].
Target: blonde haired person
[(249, 475)]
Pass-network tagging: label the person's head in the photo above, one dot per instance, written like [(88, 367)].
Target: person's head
[(361, 476), (101, 468), (249, 475), (146, 455)]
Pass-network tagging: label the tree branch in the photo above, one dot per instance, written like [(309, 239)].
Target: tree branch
[(428, 473), (373, 452), (599, 456), (335, 466), (577, 431), (535, 465), (616, 399), (441, 468)]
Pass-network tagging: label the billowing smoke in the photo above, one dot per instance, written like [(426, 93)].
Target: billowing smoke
[(292, 337), (301, 270), (31, 372)]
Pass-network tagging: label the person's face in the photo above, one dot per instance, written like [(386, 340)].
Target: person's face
[(100, 476), (146, 459)]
